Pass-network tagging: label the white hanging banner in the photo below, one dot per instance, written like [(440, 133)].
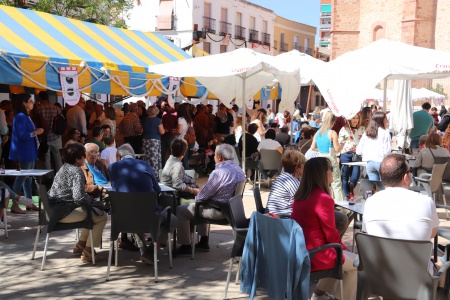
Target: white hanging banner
[(69, 85), (174, 84), (250, 103)]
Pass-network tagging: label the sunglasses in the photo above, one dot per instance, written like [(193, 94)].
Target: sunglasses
[(77, 132), (93, 152), (331, 168), (409, 171)]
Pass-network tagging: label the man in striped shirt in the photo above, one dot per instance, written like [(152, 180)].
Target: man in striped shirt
[(221, 186), (286, 185)]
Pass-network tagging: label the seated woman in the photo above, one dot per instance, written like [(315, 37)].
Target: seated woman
[(286, 185), (425, 159), (74, 135), (306, 139), (173, 173), (69, 188), (95, 172), (313, 209)]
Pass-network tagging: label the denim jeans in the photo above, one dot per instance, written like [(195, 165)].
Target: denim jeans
[(349, 174), (373, 170), (24, 182)]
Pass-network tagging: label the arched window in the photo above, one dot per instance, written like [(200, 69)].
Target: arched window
[(378, 33)]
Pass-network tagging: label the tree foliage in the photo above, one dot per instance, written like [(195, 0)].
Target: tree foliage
[(438, 89), (106, 12)]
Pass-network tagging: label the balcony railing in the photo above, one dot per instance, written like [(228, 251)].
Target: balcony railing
[(253, 36), (325, 39), (275, 45), (225, 28), (325, 27), (265, 38), (209, 24), (298, 47), (284, 47), (239, 33), (325, 14)]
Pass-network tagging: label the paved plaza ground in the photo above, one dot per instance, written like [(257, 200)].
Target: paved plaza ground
[(65, 277)]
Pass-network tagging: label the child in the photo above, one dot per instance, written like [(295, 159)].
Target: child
[(422, 140), (108, 156)]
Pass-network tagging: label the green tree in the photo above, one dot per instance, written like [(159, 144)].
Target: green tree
[(106, 12), (438, 89)]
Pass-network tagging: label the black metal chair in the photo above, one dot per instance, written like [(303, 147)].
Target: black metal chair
[(239, 223), (258, 201), (396, 269), (335, 272), (50, 217), (224, 207), (136, 213)]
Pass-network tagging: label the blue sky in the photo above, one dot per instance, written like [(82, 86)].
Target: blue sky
[(302, 11)]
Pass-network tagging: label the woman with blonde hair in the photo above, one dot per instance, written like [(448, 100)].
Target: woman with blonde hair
[(237, 128), (326, 142), (259, 118), (425, 159)]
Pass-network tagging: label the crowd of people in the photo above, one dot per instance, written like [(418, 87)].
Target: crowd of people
[(100, 143)]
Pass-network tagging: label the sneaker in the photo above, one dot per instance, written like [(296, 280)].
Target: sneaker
[(2, 225), (183, 250), (25, 201), (147, 258), (202, 246), (325, 296)]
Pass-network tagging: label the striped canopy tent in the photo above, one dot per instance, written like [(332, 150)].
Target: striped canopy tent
[(108, 60)]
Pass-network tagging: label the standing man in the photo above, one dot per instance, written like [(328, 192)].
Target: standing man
[(130, 175), (47, 113), (221, 186), (422, 122), (76, 117), (131, 128)]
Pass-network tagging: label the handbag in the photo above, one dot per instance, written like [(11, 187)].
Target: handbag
[(356, 157)]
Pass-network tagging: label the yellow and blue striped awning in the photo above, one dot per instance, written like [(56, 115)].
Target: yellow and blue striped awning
[(109, 60)]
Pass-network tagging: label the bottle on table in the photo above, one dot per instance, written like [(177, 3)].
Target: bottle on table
[(374, 188), (351, 195), (2, 167), (18, 165)]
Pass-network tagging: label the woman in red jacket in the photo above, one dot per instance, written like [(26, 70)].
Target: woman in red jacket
[(313, 209)]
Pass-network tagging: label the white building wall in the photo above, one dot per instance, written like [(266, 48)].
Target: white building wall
[(190, 12)]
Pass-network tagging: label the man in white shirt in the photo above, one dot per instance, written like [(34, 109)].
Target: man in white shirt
[(397, 212), (268, 143), (76, 118)]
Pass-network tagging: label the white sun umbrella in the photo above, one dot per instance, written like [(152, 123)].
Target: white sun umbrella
[(401, 115), (345, 80), (236, 75)]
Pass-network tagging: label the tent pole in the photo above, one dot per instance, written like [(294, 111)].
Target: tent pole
[(385, 94), (244, 123)]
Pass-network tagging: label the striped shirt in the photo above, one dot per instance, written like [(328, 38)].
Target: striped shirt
[(282, 194), (222, 182)]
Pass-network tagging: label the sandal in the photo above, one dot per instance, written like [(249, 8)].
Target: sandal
[(32, 207), (78, 249), (86, 257)]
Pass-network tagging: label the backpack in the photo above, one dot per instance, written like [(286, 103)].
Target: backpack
[(190, 136), (59, 124)]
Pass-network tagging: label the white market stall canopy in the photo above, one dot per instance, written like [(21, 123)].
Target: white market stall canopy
[(344, 81)]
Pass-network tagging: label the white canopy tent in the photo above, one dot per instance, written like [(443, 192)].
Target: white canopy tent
[(238, 75), (423, 93), (345, 80)]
